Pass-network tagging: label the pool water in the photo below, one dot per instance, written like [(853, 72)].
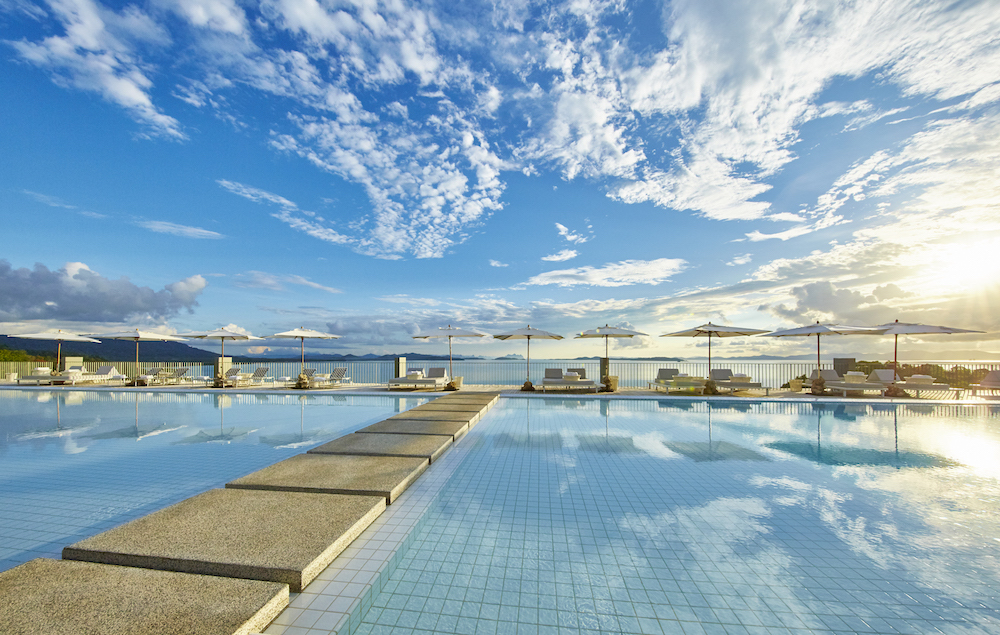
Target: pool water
[(630, 516), (75, 463)]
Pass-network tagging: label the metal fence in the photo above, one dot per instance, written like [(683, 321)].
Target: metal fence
[(631, 374)]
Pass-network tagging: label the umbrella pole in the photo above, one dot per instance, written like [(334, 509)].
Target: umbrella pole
[(58, 355), (527, 377), (137, 373), (710, 362), (817, 353), (451, 371), (302, 350), (895, 355)]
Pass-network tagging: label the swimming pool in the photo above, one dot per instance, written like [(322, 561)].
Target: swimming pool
[(669, 516), (74, 463)]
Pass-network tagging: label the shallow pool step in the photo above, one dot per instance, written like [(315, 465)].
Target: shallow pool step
[(451, 406), (236, 533), (468, 416), (454, 429), (414, 445), (62, 597), (387, 476)]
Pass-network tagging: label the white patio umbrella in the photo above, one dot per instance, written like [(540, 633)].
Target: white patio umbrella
[(222, 335), (527, 334), (302, 334), (714, 330), (898, 328), (138, 336), (60, 336), (606, 332), (449, 332), (817, 330)]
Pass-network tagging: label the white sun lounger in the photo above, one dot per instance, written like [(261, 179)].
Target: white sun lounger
[(555, 379), (724, 378), (436, 378)]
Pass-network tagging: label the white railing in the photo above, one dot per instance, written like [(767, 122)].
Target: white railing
[(631, 374)]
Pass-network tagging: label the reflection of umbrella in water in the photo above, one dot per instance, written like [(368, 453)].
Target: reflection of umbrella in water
[(527, 440), (700, 451), (60, 336), (136, 432), (59, 431), (296, 439), (839, 455), (231, 435)]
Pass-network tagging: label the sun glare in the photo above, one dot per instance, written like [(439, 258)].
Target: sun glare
[(965, 266)]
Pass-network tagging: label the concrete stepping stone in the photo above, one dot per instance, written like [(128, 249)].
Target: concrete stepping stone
[(436, 415), (237, 533), (63, 597), (454, 429), (419, 445), (387, 476)]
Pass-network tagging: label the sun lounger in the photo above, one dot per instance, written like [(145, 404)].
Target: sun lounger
[(149, 377), (339, 377), (41, 374), (255, 379), (990, 383), (828, 375), (231, 378), (663, 378), (436, 378), (917, 383), (572, 379), (104, 374), (724, 378), (684, 383)]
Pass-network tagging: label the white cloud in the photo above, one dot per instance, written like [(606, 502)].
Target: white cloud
[(742, 259), (78, 294), (405, 299), (572, 236), (565, 254), (164, 227), (618, 274), (51, 201), (794, 232), (497, 263), (99, 52), (277, 282)]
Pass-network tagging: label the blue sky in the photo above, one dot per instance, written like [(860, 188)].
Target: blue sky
[(376, 169)]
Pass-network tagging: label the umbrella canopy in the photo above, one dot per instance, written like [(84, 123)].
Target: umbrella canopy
[(819, 330), (222, 335), (302, 334), (607, 331), (714, 330), (60, 336), (898, 328), (527, 334), (138, 336), (449, 332)]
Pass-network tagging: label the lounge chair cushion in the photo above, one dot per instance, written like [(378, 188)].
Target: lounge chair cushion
[(920, 379), (553, 373)]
